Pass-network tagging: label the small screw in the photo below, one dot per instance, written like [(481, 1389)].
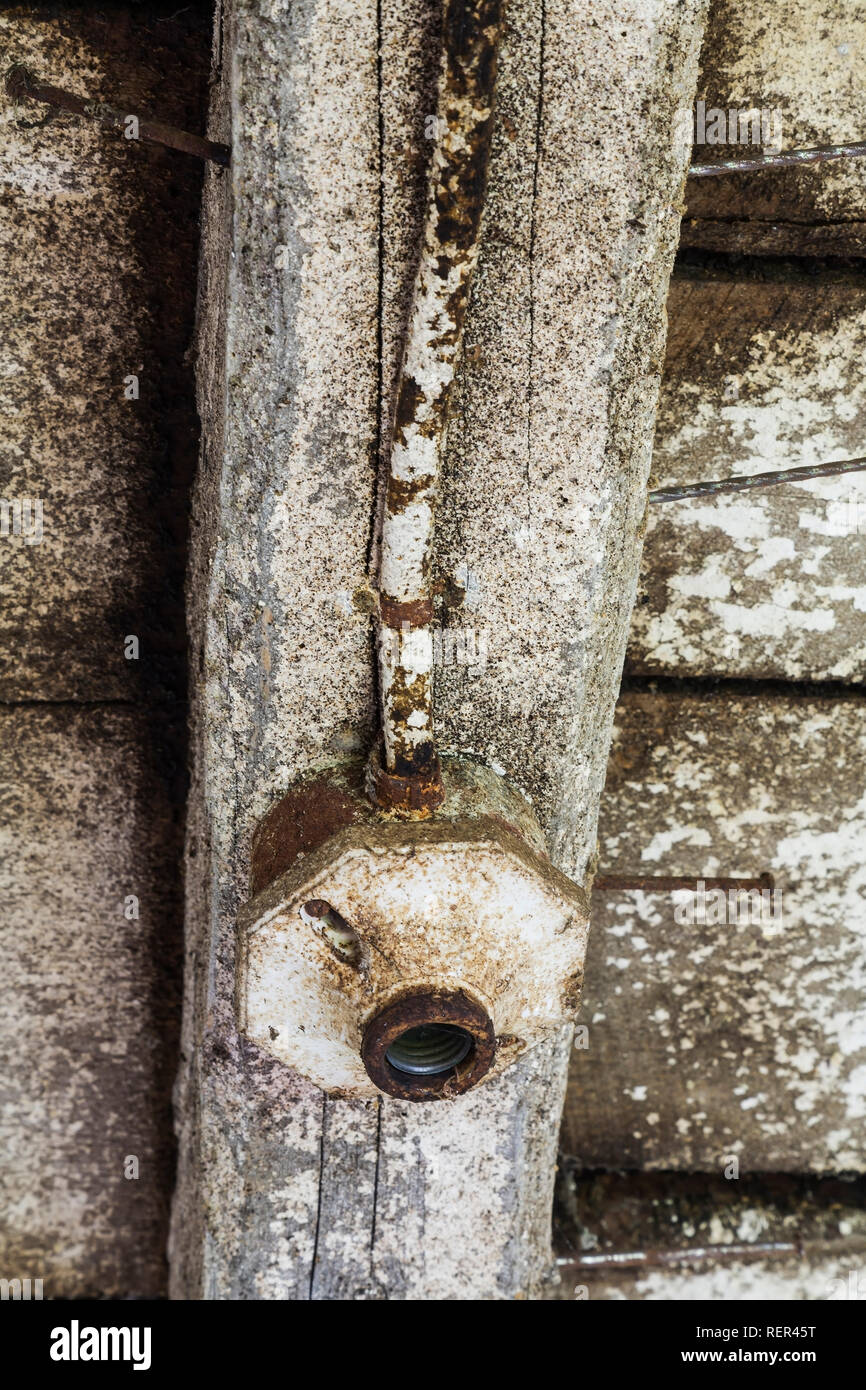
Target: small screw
[(339, 935)]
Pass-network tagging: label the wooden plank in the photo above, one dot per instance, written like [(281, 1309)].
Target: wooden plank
[(99, 241), (832, 1275), (98, 237), (689, 1236), (90, 1021), (763, 371), (806, 63), (842, 240), (741, 1039)]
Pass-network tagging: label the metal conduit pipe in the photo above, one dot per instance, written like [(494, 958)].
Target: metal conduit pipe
[(405, 776)]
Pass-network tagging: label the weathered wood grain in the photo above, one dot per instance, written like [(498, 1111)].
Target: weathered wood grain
[(835, 1275), (736, 1039), (98, 237), (90, 1020), (806, 61), (548, 457), (98, 240), (671, 1235), (763, 371)]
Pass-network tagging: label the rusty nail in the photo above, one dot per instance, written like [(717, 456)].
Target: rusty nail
[(23, 85), (666, 883)]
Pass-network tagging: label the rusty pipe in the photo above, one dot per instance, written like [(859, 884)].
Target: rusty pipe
[(405, 776)]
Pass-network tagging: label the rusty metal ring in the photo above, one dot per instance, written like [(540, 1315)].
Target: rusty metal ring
[(416, 796), (427, 1007)]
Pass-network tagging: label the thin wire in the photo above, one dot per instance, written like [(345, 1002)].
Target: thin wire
[(757, 480), (786, 159), (626, 1259)]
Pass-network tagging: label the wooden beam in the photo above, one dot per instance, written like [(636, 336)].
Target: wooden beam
[(309, 250)]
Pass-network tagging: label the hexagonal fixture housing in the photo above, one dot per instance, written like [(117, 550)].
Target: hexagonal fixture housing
[(363, 927)]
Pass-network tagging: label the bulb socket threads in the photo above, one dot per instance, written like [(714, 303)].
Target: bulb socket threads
[(429, 1045)]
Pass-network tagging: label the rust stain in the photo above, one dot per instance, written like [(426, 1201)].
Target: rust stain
[(304, 819), (415, 795), (416, 1010), (410, 782), (415, 613)]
